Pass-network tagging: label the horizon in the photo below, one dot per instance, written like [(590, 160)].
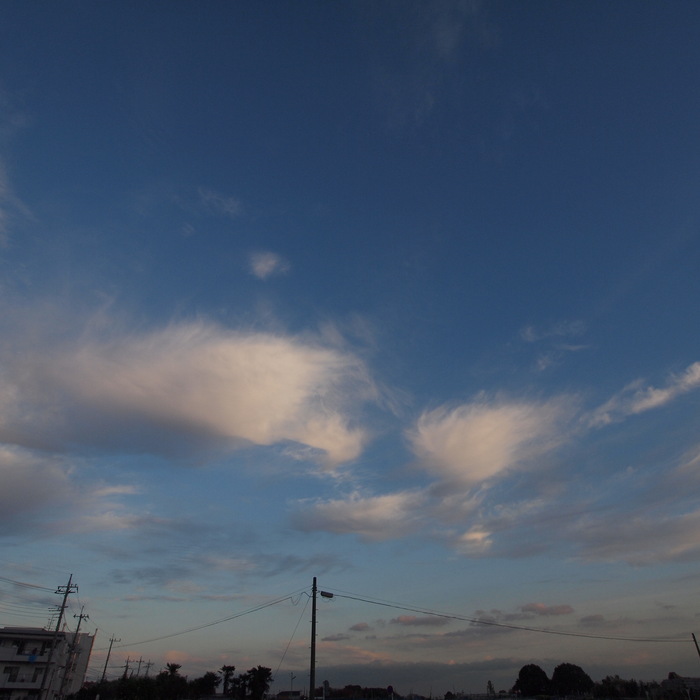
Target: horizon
[(398, 295)]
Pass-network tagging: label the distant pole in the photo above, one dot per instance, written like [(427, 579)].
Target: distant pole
[(109, 652), (312, 673), (696, 643)]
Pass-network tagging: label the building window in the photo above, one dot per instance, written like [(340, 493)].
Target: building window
[(12, 672)]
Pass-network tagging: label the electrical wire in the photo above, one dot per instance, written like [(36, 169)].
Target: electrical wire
[(493, 623), (289, 597), (286, 649), (26, 585)]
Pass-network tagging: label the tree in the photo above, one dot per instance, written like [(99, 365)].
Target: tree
[(259, 679), (226, 673), (616, 687), (170, 684), (204, 685), (490, 690), (532, 680), (569, 679)]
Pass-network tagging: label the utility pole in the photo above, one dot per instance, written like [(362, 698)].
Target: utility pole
[(109, 652), (66, 591), (696, 643), (312, 673), (148, 664), (73, 652)]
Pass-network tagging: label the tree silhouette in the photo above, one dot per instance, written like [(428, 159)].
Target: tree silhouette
[(569, 679), (170, 684), (226, 673), (239, 686), (204, 685), (259, 679), (532, 680)]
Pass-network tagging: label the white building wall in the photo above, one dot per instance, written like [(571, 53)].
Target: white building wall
[(24, 659)]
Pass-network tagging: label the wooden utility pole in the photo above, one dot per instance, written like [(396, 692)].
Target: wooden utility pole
[(72, 653), (66, 591), (312, 673), (109, 652)]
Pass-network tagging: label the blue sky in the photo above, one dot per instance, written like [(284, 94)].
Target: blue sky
[(399, 295)]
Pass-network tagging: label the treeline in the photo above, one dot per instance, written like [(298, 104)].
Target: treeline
[(170, 685), (356, 692), (569, 679)]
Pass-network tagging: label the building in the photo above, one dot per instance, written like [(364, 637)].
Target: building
[(684, 685), (31, 670)]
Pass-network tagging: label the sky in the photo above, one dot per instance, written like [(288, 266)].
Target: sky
[(398, 295)]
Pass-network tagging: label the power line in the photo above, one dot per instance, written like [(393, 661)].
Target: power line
[(289, 597), (493, 623), (26, 585), (293, 633)]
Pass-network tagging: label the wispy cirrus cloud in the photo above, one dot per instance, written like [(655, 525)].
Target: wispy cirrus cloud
[(412, 85), (12, 207), (221, 204), (637, 397), (264, 264), (554, 342), (563, 329), (640, 538)]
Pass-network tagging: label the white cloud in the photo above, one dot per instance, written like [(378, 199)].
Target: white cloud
[(690, 463), (550, 341), (475, 541), (218, 203), (475, 442), (563, 329), (44, 495), (264, 264), (372, 518), (464, 447), (185, 385), (636, 398)]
